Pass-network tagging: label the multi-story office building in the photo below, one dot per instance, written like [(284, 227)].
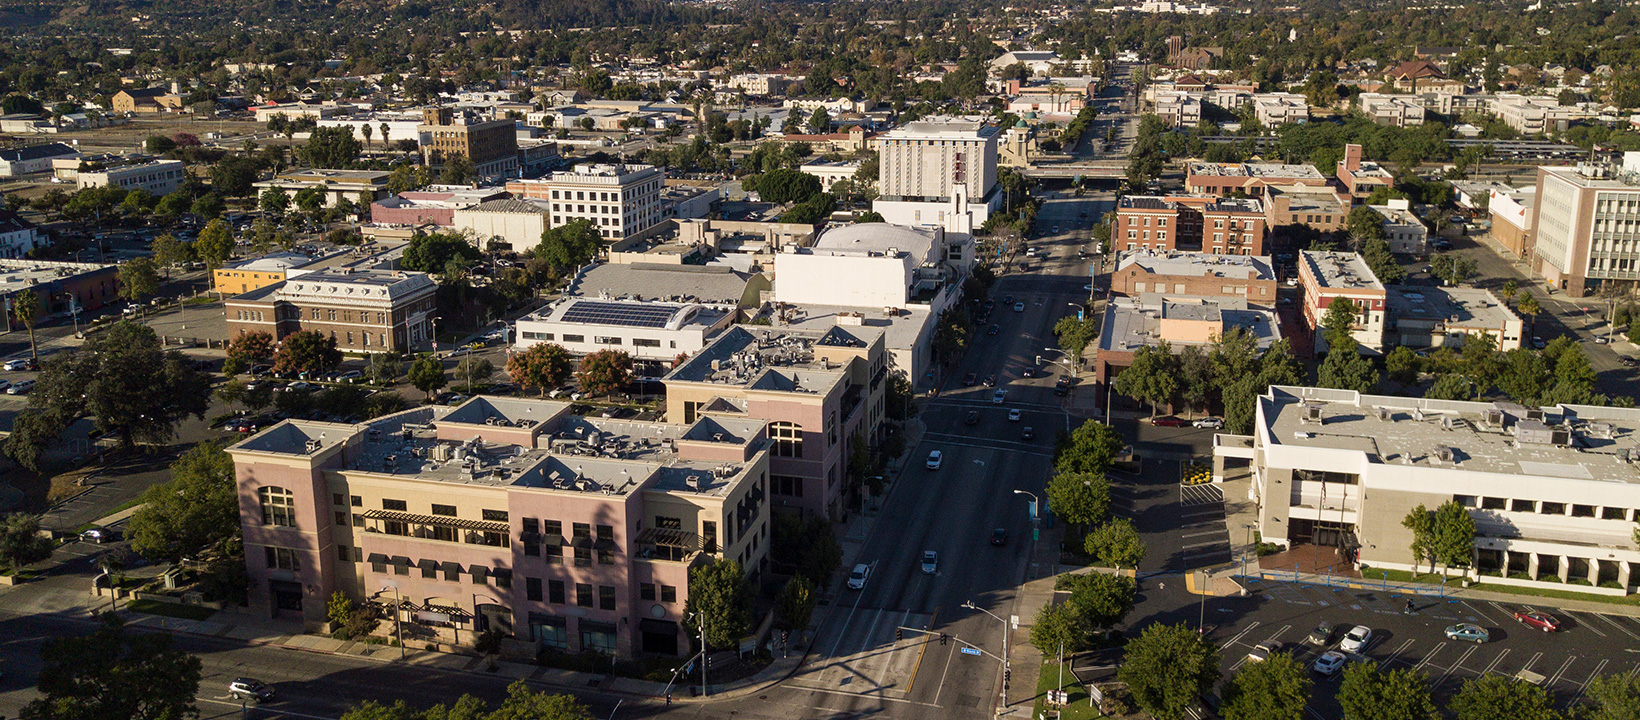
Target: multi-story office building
[(1403, 231), (1189, 273), (622, 201), (1233, 227), (356, 186), (1178, 108), (1391, 110), (1361, 177), (820, 391), (492, 145), (1532, 115), (1586, 229), (940, 171), (1222, 226), (1553, 491), (61, 287), (364, 310), (1279, 108), (257, 273), (1151, 223), (649, 331), (559, 532), (1316, 207), (157, 177), (1328, 276)]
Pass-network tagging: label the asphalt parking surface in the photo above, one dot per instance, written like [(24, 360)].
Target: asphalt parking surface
[(1588, 644)]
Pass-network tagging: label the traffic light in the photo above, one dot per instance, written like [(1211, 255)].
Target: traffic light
[(943, 638), (1007, 675), (899, 634), (708, 662)]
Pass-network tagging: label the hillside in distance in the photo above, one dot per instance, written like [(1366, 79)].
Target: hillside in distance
[(161, 17)]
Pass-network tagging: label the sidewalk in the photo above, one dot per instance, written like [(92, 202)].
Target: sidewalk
[(1453, 591)]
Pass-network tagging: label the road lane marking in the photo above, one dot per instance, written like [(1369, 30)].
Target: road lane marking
[(888, 663), (912, 682)]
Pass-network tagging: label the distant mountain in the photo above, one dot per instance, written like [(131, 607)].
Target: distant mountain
[(180, 15)]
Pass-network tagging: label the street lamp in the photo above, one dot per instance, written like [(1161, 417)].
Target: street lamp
[(1005, 665), (1035, 515), (398, 616), (1079, 310)]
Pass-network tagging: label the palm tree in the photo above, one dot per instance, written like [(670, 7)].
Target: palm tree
[(384, 130), (368, 131), (26, 308)]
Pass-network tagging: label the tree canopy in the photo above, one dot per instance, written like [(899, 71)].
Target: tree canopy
[(197, 508), (1167, 667), (114, 673), (719, 598)]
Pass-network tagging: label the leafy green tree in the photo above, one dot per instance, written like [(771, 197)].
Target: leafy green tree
[(31, 431), (1367, 693), (126, 382), (1059, 627), (427, 375), (1152, 378), (1278, 688), (306, 350), (209, 205), (1611, 697), (807, 545), (159, 144), (196, 509), (112, 673), (604, 372), (819, 121), (274, 201), (1116, 543), (21, 543), (170, 252), (1363, 224), (869, 216), (234, 176), (25, 307), (1454, 535), (795, 602), (247, 349), (570, 245), (719, 600), (472, 370), (215, 244), (1074, 335), (433, 253), (526, 703), (541, 367), (138, 279), (1080, 498), (1102, 599), (811, 211), (1090, 449), (1402, 365), (1167, 667), (1498, 697), (783, 185), (1338, 324), (1452, 386), (331, 147), (1195, 372), (385, 368), (1346, 369)]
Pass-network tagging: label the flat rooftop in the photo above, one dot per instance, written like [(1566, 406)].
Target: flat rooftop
[(18, 275), (1145, 202), (628, 313), (1131, 323), (1476, 436), (715, 284), (316, 175), (1194, 264), (1258, 171), (777, 359), (1458, 307), (1398, 216), (944, 126), (875, 238), (1340, 270)]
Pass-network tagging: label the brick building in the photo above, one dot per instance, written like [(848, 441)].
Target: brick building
[(1189, 273), (492, 145), (365, 310)]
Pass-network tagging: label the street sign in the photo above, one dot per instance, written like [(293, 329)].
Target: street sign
[(970, 651), (1013, 621)]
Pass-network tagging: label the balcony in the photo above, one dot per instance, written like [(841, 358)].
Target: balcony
[(438, 527), (668, 544)]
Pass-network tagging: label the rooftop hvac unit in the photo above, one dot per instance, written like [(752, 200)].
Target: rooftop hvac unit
[(1445, 453), (1315, 413), (1492, 418), (312, 446), (1451, 422), (1383, 412)]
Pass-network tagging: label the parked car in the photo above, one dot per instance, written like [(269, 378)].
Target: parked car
[(350, 376), (21, 364), (999, 536), (1211, 423), (1602, 340), (1537, 619), (994, 329), (1468, 632), (857, 576), (1356, 640), (1170, 421), (250, 689), (1627, 361), (99, 535), (1329, 663), (1264, 650), (20, 387), (935, 458), (930, 562), (1027, 433), (1538, 343), (1321, 635)]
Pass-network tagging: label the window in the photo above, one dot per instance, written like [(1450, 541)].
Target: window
[(399, 505), (378, 567), (358, 520), (668, 523), (554, 554), (552, 528), (645, 342), (283, 559), (343, 554), (583, 594), (445, 510), (708, 531), (532, 589), (606, 597), (278, 506), (788, 439), (341, 517), (606, 533), (338, 499), (555, 592), (495, 515), (669, 594), (583, 557), (574, 338), (646, 591), (357, 501)]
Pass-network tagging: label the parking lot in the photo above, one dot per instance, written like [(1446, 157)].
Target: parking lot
[(1588, 644)]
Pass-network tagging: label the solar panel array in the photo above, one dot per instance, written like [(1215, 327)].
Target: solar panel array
[(622, 314)]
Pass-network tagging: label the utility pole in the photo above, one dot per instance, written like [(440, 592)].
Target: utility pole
[(703, 655)]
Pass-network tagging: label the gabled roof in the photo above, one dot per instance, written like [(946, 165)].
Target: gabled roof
[(1416, 70), (37, 152)]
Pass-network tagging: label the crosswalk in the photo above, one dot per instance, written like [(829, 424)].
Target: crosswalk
[(1204, 536), (865, 658)]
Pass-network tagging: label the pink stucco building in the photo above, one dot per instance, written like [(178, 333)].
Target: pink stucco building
[(558, 531)]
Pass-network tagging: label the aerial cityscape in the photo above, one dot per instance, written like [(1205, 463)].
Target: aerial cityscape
[(522, 360)]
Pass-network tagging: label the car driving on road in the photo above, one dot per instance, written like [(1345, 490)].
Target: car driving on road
[(857, 576), (930, 562), (934, 460)]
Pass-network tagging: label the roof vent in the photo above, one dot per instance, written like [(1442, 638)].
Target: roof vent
[(1446, 453), (1492, 418), (1384, 413), (1315, 413)]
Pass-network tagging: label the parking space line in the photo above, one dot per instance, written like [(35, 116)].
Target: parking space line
[(1561, 670), (1495, 662), (1395, 654), (1479, 612), (1427, 656), (1587, 624), (1616, 624), (1456, 665), (1582, 686), (1238, 636)]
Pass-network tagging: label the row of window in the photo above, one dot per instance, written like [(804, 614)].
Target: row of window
[(597, 339), (557, 593), (347, 316), (1544, 507)]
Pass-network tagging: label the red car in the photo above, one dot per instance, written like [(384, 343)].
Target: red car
[(1170, 422), (1537, 619)]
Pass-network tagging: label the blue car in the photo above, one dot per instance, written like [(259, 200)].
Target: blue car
[(1468, 632)]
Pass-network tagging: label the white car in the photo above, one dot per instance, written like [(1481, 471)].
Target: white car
[(931, 562), (1329, 663), (18, 364), (999, 396), (857, 577), (1213, 423), (1356, 639), (1019, 307), (934, 460), (1013, 415)]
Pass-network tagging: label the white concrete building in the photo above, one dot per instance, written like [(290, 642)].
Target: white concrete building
[(158, 177), (18, 236), (939, 170), (1421, 316), (1553, 492), (337, 185), (646, 330), (519, 223), (1179, 109), (33, 158), (829, 172), (874, 265), (1274, 109), (622, 201), (1402, 229), (1391, 110)]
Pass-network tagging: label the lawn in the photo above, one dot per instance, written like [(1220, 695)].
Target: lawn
[(154, 607), (1048, 680)]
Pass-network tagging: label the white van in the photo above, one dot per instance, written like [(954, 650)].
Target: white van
[(20, 387)]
